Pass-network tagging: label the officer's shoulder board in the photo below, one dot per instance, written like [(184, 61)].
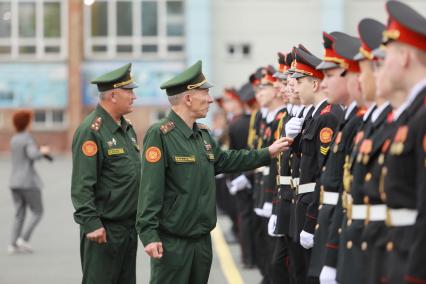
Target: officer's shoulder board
[(96, 123), (167, 126)]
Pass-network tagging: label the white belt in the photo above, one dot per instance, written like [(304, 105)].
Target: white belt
[(330, 198), (376, 212), (266, 171), (402, 217), (305, 188), (359, 212), (285, 180), (296, 182), (259, 170)]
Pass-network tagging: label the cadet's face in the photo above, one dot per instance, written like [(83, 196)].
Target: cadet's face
[(354, 88), (200, 101), (393, 65), (293, 96), (231, 105), (283, 91), (334, 86), (384, 86), (304, 88), (366, 80), (265, 95), (124, 100)]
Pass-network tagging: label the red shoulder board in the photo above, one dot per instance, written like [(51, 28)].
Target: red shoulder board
[(325, 110), (361, 111), (389, 119), (280, 115)]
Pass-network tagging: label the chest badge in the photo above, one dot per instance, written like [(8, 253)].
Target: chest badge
[(112, 142), (207, 146), (399, 140)]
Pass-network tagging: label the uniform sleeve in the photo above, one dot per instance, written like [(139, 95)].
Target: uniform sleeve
[(85, 171), (333, 238), (231, 161), (152, 187), (417, 257), (32, 151), (327, 129)]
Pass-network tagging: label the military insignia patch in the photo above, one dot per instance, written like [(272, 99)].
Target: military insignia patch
[(167, 127), (359, 137), (401, 134), (153, 154), (326, 134), (324, 150), (89, 148)]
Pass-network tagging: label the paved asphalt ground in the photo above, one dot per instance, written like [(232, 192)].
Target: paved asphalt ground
[(55, 240)]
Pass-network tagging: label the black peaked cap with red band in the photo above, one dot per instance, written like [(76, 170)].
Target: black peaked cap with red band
[(304, 64), (347, 47), (331, 59), (370, 32), (405, 25)]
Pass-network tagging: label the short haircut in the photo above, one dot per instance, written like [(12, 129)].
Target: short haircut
[(21, 119)]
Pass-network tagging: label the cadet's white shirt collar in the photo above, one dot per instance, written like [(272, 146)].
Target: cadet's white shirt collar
[(289, 108), (349, 110), (271, 115), (411, 97), (378, 111), (295, 110), (263, 111), (317, 106), (368, 112)]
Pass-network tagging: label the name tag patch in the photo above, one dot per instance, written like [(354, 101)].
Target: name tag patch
[(115, 151), (184, 159)]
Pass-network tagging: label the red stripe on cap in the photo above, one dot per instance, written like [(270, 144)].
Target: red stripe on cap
[(232, 95), (281, 68), (307, 70), (396, 31)]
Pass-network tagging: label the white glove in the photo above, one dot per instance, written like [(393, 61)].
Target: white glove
[(272, 224), (306, 240), (258, 211), (293, 127), (241, 182), (328, 275), (233, 190), (267, 209)]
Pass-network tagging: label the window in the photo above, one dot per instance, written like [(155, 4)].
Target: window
[(238, 51), (49, 119), (135, 28), (33, 29)]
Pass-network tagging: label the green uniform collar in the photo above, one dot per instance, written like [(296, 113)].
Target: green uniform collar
[(109, 121), (182, 125)]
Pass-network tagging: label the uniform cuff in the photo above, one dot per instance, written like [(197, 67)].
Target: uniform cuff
[(310, 223), (331, 255), (265, 156), (92, 225), (150, 237)]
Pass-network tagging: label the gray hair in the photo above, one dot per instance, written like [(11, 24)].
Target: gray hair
[(103, 95), (176, 99)]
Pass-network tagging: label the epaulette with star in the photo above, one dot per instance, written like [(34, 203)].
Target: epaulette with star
[(203, 126), (167, 127), (96, 123), (326, 110)]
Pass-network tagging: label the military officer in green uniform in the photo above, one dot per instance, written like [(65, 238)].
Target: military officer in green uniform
[(177, 208), (105, 183)]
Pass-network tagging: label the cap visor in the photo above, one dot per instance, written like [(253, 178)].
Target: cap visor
[(297, 75), (206, 85), (280, 75), (359, 56), (379, 53), (324, 65), (130, 86)]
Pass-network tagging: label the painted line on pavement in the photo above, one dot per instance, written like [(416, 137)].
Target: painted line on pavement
[(232, 274)]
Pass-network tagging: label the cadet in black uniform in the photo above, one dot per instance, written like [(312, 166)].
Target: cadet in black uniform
[(332, 173), (320, 124), (404, 169)]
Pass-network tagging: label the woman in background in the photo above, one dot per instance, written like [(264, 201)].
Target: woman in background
[(25, 183)]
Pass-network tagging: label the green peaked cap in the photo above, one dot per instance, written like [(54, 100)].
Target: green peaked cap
[(118, 78), (189, 79)]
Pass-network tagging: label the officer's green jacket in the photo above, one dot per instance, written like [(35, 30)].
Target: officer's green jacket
[(177, 192), (106, 171)]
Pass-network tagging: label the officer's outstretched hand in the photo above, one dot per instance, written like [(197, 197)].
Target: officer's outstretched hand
[(280, 145), (98, 236), (154, 250)]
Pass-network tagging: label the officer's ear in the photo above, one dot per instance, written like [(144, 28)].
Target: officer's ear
[(113, 99), (187, 98)]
